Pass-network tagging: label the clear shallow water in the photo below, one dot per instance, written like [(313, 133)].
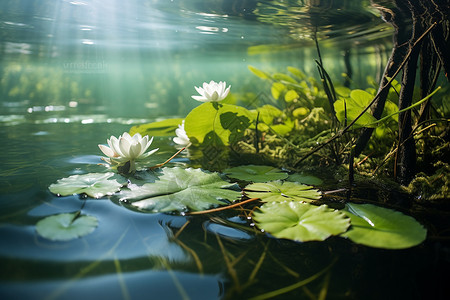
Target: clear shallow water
[(75, 72)]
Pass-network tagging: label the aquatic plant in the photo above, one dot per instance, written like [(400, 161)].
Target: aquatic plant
[(212, 91), (181, 138), (127, 149)]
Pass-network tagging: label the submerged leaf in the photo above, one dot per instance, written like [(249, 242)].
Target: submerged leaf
[(300, 221), (353, 106), (282, 191), (255, 173), (64, 227), (380, 227), (95, 185), (180, 189)]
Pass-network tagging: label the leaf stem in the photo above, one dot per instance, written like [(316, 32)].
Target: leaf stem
[(172, 157), (222, 208)]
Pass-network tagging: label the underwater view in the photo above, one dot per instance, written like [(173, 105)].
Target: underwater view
[(224, 149)]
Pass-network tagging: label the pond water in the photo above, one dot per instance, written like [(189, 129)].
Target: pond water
[(73, 73)]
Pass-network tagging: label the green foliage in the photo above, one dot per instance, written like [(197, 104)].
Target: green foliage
[(380, 227), (300, 221), (180, 189), (95, 185), (65, 227), (282, 191), (222, 123), (161, 128), (255, 173), (305, 179), (259, 73), (348, 109)]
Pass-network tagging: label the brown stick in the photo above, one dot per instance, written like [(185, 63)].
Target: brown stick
[(172, 157), (222, 208)]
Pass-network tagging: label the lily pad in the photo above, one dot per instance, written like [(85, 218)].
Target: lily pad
[(281, 191), (180, 189), (380, 227), (64, 227), (305, 179), (95, 185), (300, 221), (256, 173)]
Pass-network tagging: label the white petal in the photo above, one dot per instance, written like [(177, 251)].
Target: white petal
[(148, 153), (124, 145), (147, 145), (144, 144), (135, 150), (107, 151), (199, 98), (225, 94), (115, 146), (126, 135), (215, 96), (200, 90)]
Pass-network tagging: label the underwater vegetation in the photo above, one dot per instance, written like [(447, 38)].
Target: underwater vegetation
[(261, 163)]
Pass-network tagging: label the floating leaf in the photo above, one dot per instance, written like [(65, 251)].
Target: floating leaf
[(180, 189), (95, 185), (300, 221), (256, 173), (380, 227), (64, 227), (281, 191), (305, 179), (160, 128)]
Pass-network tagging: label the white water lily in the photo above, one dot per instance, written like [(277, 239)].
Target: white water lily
[(127, 148), (181, 139), (212, 91)]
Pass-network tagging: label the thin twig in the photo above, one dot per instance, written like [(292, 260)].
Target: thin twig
[(172, 157), (222, 207)]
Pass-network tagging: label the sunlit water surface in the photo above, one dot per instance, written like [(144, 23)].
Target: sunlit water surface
[(74, 73)]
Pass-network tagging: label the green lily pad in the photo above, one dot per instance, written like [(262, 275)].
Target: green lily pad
[(281, 191), (380, 227), (256, 173), (300, 221), (305, 179), (95, 185), (65, 227), (180, 189)]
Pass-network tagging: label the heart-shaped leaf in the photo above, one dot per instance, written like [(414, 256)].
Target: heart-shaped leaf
[(281, 191), (380, 227), (300, 221), (256, 173), (64, 227), (180, 189), (95, 185)]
